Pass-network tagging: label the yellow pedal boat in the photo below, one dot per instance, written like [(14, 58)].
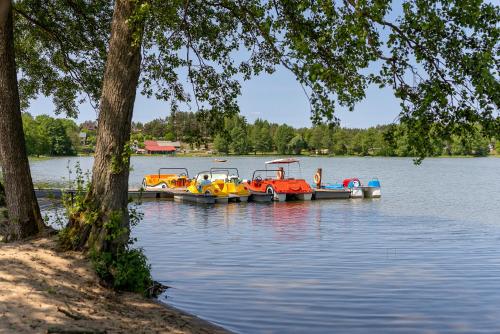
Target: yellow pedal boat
[(203, 184), (163, 181), (229, 179)]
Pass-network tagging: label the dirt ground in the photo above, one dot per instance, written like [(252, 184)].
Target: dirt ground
[(45, 291)]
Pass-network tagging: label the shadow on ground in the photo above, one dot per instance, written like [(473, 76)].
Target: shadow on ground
[(43, 291)]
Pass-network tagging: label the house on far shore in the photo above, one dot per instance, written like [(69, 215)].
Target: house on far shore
[(159, 147), (176, 144)]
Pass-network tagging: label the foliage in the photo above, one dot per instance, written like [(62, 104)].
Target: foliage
[(61, 50), (439, 57), (50, 136), (126, 270), (282, 138), (221, 144), (297, 144), (240, 137)]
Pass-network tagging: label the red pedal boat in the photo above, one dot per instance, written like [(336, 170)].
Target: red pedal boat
[(281, 186)]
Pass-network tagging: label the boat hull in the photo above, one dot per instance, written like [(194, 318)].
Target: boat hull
[(332, 194), (304, 197), (243, 199), (195, 198), (221, 200), (357, 193), (279, 197), (372, 192), (261, 197)]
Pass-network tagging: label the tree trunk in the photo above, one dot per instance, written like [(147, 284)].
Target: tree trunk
[(24, 214), (2, 195), (108, 196)]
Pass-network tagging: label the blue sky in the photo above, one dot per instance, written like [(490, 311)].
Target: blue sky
[(276, 98)]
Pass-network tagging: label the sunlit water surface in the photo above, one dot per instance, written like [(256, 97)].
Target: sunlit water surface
[(425, 258)]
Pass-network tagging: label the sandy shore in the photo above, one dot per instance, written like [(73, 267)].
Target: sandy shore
[(44, 291)]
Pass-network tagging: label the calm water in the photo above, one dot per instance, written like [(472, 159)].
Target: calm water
[(423, 259)]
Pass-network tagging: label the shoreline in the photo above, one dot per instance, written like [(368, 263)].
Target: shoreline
[(46, 291), (192, 155)]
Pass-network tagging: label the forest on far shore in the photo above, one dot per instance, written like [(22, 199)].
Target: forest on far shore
[(48, 136)]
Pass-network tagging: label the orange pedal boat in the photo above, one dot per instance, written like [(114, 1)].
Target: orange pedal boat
[(280, 186)]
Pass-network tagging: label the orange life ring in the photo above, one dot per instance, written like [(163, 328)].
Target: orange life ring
[(280, 174), (317, 178)]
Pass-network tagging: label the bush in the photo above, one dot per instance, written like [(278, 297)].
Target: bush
[(128, 271), (120, 266)]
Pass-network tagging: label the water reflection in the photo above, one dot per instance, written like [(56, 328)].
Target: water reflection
[(419, 260)]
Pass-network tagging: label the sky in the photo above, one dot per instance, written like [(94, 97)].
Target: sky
[(277, 98)]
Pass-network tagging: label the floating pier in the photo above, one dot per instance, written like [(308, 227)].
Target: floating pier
[(182, 195), (331, 193)]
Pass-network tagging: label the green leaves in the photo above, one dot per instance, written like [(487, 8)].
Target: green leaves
[(50, 136), (61, 49), (440, 57)]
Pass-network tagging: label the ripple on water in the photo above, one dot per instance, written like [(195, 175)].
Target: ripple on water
[(423, 259)]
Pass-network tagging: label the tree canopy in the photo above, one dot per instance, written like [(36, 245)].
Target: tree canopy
[(439, 57)]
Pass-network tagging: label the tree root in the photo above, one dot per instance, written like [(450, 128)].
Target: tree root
[(62, 330), (73, 316)]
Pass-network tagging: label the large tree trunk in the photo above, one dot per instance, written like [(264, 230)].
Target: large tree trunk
[(108, 196), (2, 195), (22, 207)]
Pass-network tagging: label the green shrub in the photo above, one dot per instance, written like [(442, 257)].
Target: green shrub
[(128, 271)]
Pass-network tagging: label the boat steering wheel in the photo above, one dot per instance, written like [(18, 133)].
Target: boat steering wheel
[(258, 179)]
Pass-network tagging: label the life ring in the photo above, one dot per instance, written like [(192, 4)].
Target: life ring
[(317, 178), (280, 174)]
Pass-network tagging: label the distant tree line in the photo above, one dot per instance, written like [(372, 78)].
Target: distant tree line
[(50, 136), (238, 136), (187, 127), (57, 137)]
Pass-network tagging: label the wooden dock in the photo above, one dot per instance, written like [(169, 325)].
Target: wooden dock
[(132, 193), (182, 195)]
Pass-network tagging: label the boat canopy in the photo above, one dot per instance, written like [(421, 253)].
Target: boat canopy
[(283, 161)]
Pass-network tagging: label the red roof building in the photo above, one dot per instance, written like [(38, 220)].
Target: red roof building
[(153, 147)]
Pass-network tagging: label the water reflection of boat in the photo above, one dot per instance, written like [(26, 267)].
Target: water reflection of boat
[(287, 220)]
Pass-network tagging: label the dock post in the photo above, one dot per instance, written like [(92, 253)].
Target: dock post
[(318, 177)]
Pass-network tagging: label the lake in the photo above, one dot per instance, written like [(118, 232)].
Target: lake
[(425, 258)]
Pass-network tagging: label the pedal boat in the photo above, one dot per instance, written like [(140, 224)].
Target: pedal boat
[(231, 183), (179, 181), (354, 185), (215, 188), (281, 188), (328, 190), (372, 190)]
